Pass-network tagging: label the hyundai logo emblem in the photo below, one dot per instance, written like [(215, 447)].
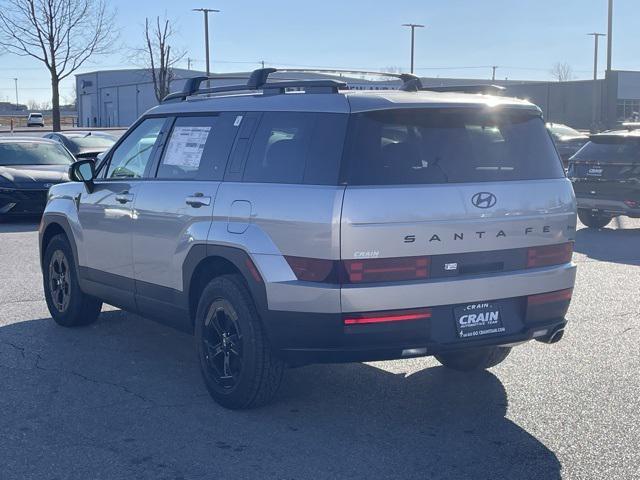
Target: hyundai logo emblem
[(48, 185), (484, 200)]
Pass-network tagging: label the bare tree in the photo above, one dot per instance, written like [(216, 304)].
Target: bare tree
[(159, 55), (562, 72), (62, 34), (35, 105)]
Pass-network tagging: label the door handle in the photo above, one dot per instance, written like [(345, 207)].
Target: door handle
[(124, 197), (198, 200)]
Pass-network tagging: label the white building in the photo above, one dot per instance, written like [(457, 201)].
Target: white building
[(116, 98)]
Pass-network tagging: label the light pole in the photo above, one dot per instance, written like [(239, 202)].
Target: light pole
[(609, 36), (206, 33), (413, 27), (17, 103), (594, 110), (596, 37)]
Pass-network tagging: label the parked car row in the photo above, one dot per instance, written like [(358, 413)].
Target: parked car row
[(29, 166)]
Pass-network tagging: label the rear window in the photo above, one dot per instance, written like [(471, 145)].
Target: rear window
[(395, 147), (93, 141), (559, 131), (33, 154), (610, 150)]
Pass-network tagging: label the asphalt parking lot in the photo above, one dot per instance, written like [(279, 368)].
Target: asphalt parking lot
[(123, 398)]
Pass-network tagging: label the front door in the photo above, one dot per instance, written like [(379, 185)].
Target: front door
[(106, 214)]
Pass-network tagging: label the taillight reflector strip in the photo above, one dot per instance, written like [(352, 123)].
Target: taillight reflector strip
[(387, 317), (551, 297), (386, 269), (549, 255)]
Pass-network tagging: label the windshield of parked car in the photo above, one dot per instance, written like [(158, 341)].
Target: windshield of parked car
[(33, 153), (99, 142), (427, 146), (610, 149), (563, 131)]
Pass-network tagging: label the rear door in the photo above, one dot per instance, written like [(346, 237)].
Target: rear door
[(174, 208), (608, 169), (468, 187), (280, 195)]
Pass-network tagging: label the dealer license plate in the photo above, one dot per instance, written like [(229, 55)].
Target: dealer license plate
[(478, 320)]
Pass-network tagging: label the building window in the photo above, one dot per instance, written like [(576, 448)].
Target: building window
[(628, 110)]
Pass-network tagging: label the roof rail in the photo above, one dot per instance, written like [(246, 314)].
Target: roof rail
[(192, 86), (484, 89), (258, 80)]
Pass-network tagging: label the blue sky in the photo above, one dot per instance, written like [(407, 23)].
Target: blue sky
[(462, 39)]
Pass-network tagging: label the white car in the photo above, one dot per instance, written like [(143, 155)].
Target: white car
[(35, 120)]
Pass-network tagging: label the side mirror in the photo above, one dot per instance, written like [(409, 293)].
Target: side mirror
[(83, 171)]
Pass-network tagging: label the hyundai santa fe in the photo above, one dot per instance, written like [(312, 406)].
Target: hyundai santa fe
[(292, 222)]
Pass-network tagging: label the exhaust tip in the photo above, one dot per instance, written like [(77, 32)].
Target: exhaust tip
[(552, 338)]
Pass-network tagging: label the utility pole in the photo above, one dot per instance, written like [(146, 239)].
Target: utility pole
[(413, 27), (17, 103), (610, 36), (596, 90), (206, 12), (493, 75), (188, 63)]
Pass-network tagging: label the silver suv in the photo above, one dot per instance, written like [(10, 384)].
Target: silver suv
[(292, 222)]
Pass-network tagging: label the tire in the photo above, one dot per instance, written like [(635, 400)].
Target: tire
[(68, 305), (592, 220), (474, 358), (237, 363)]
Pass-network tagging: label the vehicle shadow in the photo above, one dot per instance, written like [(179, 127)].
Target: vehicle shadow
[(610, 244), (19, 225), (124, 399)]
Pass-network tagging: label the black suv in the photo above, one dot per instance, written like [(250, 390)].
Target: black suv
[(606, 177)]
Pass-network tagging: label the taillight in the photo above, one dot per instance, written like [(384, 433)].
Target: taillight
[(549, 255), (631, 203), (386, 269), (551, 297), (313, 269), (386, 317)]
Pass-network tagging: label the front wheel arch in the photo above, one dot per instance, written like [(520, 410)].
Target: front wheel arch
[(56, 226)]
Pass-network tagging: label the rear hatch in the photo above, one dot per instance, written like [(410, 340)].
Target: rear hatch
[(471, 188), (608, 168)]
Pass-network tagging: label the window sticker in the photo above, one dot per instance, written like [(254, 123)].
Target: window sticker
[(186, 146), (238, 121)]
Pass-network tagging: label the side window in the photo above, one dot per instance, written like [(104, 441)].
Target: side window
[(280, 146), (325, 153), (131, 157), (198, 147)]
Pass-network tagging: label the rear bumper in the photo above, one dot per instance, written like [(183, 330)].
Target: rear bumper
[(610, 207), (302, 338)]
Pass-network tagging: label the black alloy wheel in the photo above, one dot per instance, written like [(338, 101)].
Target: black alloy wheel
[(222, 343)]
